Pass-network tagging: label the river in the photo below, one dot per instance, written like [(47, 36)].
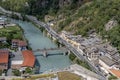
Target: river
[(37, 40)]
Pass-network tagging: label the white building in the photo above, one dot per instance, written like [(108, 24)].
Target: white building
[(3, 21)]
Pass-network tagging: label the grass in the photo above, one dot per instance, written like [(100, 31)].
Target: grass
[(12, 32), (68, 76), (37, 77)]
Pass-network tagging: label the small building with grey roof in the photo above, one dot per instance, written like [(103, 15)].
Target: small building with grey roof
[(17, 60)]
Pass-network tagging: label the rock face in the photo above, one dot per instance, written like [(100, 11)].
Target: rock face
[(111, 24)]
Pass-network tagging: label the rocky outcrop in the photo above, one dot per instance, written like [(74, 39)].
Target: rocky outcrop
[(110, 24)]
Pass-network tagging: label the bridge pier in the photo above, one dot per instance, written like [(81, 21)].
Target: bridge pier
[(49, 35), (54, 39), (45, 54), (65, 53), (45, 33), (68, 52)]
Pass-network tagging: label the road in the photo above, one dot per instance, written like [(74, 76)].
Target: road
[(55, 35)]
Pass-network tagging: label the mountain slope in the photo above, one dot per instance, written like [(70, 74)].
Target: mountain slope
[(78, 16), (93, 16)]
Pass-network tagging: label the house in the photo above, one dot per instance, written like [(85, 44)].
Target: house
[(17, 60), (19, 44), (29, 59), (3, 39), (22, 60), (15, 43), (4, 56), (3, 21), (22, 45)]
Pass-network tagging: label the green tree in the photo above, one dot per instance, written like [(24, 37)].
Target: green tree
[(28, 70), (16, 72)]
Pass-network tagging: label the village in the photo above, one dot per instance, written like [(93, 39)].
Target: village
[(100, 52), (15, 58)]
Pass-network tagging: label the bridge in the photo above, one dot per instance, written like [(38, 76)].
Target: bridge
[(45, 51)]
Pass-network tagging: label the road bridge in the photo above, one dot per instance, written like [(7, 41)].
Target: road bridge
[(45, 51)]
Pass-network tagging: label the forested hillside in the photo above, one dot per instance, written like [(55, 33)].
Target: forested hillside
[(78, 16), (40, 7)]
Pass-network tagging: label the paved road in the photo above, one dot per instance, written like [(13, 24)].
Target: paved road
[(9, 72), (55, 35)]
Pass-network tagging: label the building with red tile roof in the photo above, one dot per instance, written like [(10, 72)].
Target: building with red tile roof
[(4, 56), (115, 72), (29, 59)]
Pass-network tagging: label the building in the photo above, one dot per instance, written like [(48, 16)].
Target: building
[(3, 39), (29, 59), (19, 44), (106, 62), (17, 60), (71, 39), (22, 45), (92, 53), (15, 43), (4, 57), (3, 22), (23, 59)]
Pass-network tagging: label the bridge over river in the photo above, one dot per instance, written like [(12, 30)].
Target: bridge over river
[(45, 51)]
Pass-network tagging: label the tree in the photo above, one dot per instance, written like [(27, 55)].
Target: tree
[(16, 72), (28, 70)]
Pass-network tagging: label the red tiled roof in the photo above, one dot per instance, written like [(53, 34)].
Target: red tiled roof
[(4, 57), (29, 59), (115, 72), (22, 43)]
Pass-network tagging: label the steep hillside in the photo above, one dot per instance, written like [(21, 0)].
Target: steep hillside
[(40, 7), (78, 16), (95, 16)]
